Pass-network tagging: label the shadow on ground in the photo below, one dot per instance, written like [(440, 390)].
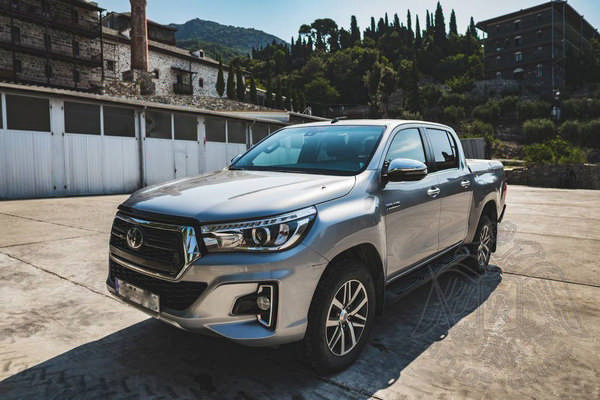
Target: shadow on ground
[(153, 360)]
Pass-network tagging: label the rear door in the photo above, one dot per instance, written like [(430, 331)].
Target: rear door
[(455, 187), (412, 209)]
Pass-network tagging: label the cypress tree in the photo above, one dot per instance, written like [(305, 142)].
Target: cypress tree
[(373, 28), (253, 92), (409, 22), (279, 95), (471, 31), (453, 29), (427, 23), (396, 22), (269, 95), (240, 88), (354, 31), (231, 83), (386, 21), (220, 86), (417, 33), (439, 34)]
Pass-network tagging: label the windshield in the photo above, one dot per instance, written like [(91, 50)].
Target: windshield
[(335, 149)]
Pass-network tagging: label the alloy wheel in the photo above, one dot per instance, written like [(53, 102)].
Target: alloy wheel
[(347, 317), (485, 241)]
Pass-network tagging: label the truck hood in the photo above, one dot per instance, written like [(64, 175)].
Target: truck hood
[(238, 195)]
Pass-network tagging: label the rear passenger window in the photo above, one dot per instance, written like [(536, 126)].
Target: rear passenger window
[(445, 155), (406, 144)]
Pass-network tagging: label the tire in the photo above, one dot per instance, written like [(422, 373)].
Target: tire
[(339, 302), (484, 242)]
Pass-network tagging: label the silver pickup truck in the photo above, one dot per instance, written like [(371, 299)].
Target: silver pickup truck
[(300, 238)]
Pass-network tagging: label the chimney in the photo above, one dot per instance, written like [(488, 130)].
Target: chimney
[(139, 36)]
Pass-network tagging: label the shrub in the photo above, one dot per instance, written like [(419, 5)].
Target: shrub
[(453, 99), (554, 151), (454, 113), (410, 115), (488, 112), (571, 131), (581, 108), (590, 134), (477, 128), (538, 130), (508, 105), (530, 109), (460, 84)]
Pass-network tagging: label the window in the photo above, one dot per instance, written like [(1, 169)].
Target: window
[(200, 82), (48, 71), (14, 4), (186, 127), (47, 41), (110, 65), (498, 75), (158, 124), (45, 7), (498, 28), (236, 132), (406, 144), (518, 41), (539, 70), (82, 118), (259, 131), (517, 24), (27, 113), (76, 76), (444, 149), (498, 60), (518, 57), (16, 34), (540, 34), (118, 121), (75, 48), (18, 66), (215, 130), (74, 16)]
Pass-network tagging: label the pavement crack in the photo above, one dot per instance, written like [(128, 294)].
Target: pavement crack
[(48, 241), (51, 222), (552, 279), (60, 276)]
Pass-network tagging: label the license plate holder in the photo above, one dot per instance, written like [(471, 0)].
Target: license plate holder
[(137, 295)]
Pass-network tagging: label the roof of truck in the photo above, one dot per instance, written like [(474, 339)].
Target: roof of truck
[(382, 122)]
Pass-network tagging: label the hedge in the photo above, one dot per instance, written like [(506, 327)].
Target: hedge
[(538, 130), (531, 109)]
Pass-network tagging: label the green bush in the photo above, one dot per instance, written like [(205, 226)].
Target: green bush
[(580, 109), (538, 130), (460, 84), (476, 128), (530, 109), (571, 131), (453, 99), (454, 114), (554, 151), (488, 112), (508, 104), (590, 134)]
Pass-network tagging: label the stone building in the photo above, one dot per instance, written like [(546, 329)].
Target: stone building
[(51, 42), (532, 44), (173, 70)]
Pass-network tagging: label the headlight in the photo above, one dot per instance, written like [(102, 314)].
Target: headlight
[(268, 234)]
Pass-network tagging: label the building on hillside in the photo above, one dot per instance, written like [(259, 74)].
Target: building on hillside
[(532, 44), (174, 70), (51, 42)]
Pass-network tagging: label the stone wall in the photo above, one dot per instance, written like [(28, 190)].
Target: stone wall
[(204, 78), (575, 176)]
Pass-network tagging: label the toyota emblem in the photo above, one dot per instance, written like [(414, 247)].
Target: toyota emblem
[(135, 238)]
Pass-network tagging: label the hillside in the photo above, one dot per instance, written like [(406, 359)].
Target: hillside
[(224, 40)]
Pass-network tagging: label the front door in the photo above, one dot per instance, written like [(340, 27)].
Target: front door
[(412, 209)]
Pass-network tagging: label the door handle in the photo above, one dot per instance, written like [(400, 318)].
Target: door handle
[(433, 192), (465, 183)]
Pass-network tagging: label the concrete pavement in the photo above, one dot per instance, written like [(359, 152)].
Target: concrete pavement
[(528, 328)]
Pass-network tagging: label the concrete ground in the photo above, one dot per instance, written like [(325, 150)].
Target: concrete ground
[(528, 328)]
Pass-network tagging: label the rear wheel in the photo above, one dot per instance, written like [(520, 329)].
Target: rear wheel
[(340, 317), (485, 241)]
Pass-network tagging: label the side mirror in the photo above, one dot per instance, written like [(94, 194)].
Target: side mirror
[(404, 169), (234, 159)]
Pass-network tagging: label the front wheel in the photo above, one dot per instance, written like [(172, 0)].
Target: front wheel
[(340, 317)]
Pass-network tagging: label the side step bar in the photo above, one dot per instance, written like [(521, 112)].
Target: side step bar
[(402, 286)]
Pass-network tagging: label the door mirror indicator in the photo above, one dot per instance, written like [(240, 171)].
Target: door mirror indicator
[(404, 169)]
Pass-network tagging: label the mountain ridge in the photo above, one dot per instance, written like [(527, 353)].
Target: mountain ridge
[(226, 41)]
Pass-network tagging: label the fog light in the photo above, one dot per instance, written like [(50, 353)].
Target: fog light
[(263, 302)]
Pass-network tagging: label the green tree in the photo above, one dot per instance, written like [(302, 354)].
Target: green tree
[(269, 95), (279, 95), (253, 92), (417, 33), (220, 86), (471, 30), (439, 35), (240, 89), (354, 31), (409, 23), (453, 28), (231, 83)]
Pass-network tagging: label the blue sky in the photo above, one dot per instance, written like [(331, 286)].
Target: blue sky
[(283, 18)]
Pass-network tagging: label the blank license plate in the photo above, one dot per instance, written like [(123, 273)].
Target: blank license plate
[(137, 295)]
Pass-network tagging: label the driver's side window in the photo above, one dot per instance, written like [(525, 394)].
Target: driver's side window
[(406, 144)]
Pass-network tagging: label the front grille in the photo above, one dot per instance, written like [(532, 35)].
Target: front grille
[(173, 295), (161, 250)]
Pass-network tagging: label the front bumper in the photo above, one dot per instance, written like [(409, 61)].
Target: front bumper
[(228, 277)]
